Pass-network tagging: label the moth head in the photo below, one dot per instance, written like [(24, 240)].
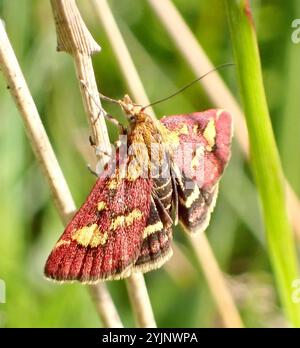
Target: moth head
[(133, 112)]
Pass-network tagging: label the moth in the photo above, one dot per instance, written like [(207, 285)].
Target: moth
[(171, 173)]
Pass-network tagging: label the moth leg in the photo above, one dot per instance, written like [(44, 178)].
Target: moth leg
[(113, 120), (99, 152), (91, 170), (102, 111), (98, 149)]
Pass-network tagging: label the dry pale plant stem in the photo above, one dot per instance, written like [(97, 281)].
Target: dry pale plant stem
[(74, 38), (47, 159), (34, 127), (215, 87), (122, 54), (139, 299), (216, 281), (105, 306), (207, 259)]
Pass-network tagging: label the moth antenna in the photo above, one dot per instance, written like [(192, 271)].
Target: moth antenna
[(188, 85)]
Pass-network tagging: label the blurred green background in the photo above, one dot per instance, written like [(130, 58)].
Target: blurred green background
[(30, 224)]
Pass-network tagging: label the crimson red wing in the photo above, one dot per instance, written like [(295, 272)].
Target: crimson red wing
[(202, 143), (104, 238)]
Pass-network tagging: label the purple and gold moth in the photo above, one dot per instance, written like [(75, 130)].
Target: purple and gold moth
[(170, 173)]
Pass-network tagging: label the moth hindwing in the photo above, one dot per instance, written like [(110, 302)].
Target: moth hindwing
[(203, 152)]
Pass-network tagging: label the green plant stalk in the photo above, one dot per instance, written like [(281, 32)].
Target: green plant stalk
[(265, 161)]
